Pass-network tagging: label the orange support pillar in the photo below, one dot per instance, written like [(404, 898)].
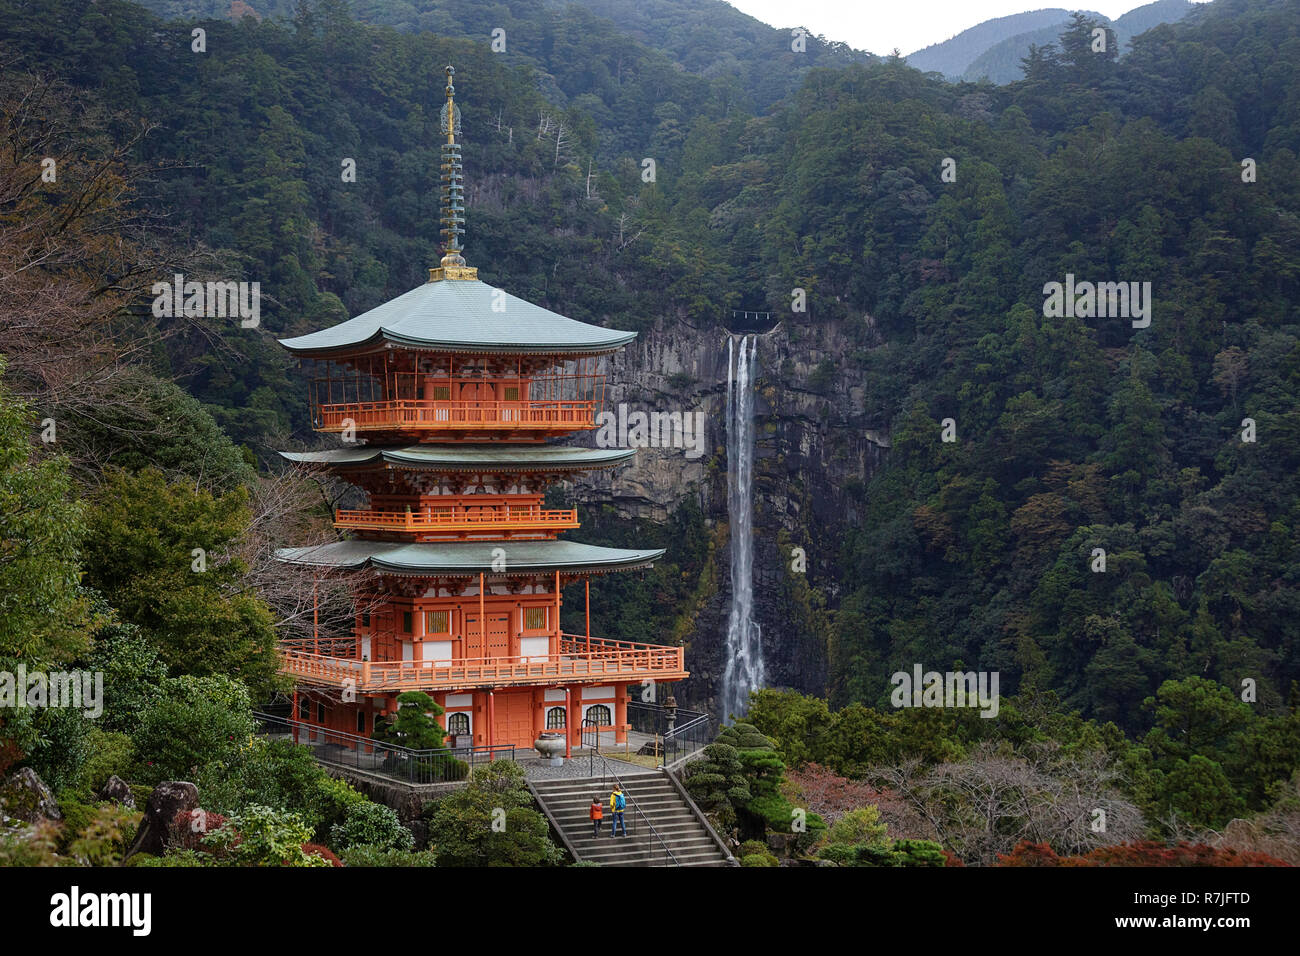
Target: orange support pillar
[(587, 586), (575, 713), (568, 722), (491, 716), (555, 644), (482, 620), (620, 714)]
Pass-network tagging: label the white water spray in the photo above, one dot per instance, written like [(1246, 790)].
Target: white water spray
[(744, 648)]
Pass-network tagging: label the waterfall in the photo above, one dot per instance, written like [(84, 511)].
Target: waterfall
[(744, 648)]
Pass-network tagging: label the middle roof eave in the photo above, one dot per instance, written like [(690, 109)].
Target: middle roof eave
[(484, 457), (462, 558)]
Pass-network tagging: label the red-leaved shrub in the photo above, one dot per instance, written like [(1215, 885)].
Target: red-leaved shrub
[(1143, 853)]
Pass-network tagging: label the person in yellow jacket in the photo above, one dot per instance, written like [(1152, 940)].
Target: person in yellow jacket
[(617, 804)]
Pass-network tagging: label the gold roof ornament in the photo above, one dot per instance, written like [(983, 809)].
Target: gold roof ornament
[(453, 194)]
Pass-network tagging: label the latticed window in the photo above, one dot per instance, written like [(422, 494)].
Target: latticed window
[(600, 715), (555, 718), (512, 393), (458, 724), (437, 622), (441, 393), (406, 622), (534, 618)]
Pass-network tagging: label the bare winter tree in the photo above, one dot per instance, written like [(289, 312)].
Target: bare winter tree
[(312, 606), (74, 249), (79, 255), (561, 142), (987, 803), (625, 235), (544, 124)]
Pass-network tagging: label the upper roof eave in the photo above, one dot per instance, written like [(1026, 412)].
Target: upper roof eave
[(383, 340), (460, 315)]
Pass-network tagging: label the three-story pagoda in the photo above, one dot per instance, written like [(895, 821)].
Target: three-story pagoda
[(448, 400)]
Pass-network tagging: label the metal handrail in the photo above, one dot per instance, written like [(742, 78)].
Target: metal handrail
[(690, 734), (689, 725), (418, 763), (609, 771)]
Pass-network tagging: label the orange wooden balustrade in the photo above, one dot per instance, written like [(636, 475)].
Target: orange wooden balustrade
[(407, 413), (514, 519), (607, 660)]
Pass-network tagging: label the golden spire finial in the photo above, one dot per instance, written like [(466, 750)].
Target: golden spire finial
[(453, 194)]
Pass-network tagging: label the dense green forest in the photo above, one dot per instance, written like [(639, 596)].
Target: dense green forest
[(1072, 434)]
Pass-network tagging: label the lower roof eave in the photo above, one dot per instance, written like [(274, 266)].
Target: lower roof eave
[(379, 690)]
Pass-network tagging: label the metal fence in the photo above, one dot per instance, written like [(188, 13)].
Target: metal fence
[(339, 749), (678, 732)]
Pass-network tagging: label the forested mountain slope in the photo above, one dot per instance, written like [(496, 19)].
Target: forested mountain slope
[(576, 46), (1073, 434)]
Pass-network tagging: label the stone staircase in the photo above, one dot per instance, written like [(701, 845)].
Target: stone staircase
[(678, 823)]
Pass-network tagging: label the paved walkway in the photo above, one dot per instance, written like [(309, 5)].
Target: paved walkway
[(578, 766)]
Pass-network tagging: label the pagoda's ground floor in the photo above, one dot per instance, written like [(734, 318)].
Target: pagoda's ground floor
[(480, 717)]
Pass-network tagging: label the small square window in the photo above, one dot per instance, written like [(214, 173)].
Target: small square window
[(437, 622), (441, 393), (512, 393), (534, 618)]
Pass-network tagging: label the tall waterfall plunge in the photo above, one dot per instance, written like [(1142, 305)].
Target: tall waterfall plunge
[(744, 649)]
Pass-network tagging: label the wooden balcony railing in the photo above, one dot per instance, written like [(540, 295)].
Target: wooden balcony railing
[(605, 661), (503, 520), (415, 413)]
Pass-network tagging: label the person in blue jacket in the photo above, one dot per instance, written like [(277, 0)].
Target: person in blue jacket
[(617, 804)]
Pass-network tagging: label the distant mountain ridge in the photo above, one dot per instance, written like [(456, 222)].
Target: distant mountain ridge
[(993, 49), (952, 57)]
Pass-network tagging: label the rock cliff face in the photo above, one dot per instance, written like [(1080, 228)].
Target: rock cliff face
[(812, 453)]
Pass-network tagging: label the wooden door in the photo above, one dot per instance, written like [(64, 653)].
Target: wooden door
[(513, 723), (498, 635)]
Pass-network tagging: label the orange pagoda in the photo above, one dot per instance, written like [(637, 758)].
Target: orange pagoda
[(448, 401)]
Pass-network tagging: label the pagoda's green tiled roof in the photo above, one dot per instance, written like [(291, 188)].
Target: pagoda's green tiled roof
[(469, 557), (485, 457), (465, 315)]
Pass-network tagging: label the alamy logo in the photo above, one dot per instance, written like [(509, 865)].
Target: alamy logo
[(651, 430), (74, 908), (952, 689), (212, 300), (78, 690), (1103, 300)]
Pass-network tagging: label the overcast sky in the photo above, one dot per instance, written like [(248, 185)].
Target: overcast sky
[(880, 25)]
